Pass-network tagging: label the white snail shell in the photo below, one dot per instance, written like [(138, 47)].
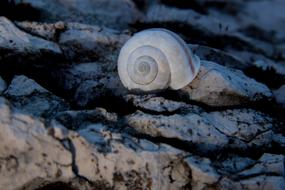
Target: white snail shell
[(156, 59)]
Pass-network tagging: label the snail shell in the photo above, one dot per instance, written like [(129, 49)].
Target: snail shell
[(156, 59)]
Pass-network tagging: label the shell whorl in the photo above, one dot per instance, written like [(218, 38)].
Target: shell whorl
[(156, 59)]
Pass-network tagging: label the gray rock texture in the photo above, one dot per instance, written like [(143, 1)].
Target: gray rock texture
[(216, 85), (114, 14), (67, 122), (18, 46), (30, 97)]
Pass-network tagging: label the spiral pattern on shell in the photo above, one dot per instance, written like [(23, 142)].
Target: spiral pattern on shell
[(156, 59)]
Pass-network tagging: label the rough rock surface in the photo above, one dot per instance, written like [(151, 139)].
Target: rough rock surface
[(216, 85), (18, 46), (67, 122), (87, 11), (90, 43), (30, 97)]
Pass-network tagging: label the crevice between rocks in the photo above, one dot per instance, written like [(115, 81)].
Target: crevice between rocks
[(71, 149)]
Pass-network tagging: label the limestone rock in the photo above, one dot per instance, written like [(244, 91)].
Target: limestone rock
[(79, 119), (28, 146), (18, 46), (32, 98), (203, 175), (218, 56), (216, 85), (216, 133), (234, 164), (209, 30), (206, 132), (89, 83), (244, 124), (30, 157), (121, 161), (85, 43), (267, 164), (156, 104), (49, 31), (192, 129)]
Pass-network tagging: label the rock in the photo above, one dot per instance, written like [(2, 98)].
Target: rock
[(271, 21), (28, 96), (156, 104), (28, 146), (206, 29), (280, 95), (263, 182), (260, 61), (79, 119), (3, 85), (207, 132), (269, 164), (30, 157), (192, 130), (114, 14), (48, 31), (212, 134), (203, 175), (20, 47), (218, 56), (234, 164), (126, 167), (203, 23), (89, 83), (266, 173), (244, 124), (85, 43), (216, 85)]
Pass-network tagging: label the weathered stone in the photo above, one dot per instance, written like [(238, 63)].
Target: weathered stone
[(218, 56), (260, 61), (156, 104), (114, 14), (263, 182), (28, 146), (271, 21), (237, 129), (88, 83), (79, 119), (207, 135), (192, 129), (121, 162), (234, 164), (85, 43), (269, 164), (28, 96), (207, 29), (244, 124), (216, 85), (44, 30), (203, 175), (18, 46), (29, 156)]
